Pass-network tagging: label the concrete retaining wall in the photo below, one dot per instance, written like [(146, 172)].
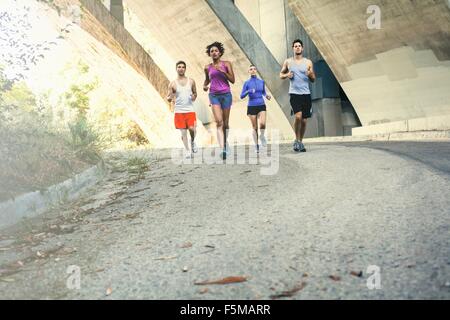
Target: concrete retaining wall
[(34, 203), (441, 123)]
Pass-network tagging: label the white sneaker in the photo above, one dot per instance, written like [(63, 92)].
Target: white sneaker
[(187, 154), (263, 141), (194, 147)]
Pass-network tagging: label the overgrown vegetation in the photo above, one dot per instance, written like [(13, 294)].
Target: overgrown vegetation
[(43, 143), (137, 165), (60, 126)]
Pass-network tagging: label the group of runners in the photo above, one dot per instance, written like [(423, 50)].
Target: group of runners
[(219, 75)]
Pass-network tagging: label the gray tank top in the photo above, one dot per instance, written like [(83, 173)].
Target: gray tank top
[(300, 82)]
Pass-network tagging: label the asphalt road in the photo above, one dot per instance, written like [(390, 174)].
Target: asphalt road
[(319, 227)]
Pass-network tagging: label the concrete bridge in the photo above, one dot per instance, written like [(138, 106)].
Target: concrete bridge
[(395, 77)]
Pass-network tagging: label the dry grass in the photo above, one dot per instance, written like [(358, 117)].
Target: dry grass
[(31, 161)]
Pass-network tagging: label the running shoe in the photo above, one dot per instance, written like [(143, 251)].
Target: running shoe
[(187, 154), (296, 146), (302, 147), (194, 147), (263, 141)]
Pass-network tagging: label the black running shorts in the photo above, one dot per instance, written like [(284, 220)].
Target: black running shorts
[(302, 103), (254, 111)]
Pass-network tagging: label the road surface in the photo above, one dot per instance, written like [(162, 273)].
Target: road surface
[(319, 228)]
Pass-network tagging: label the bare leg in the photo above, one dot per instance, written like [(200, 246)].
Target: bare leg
[(254, 122), (226, 126), (303, 129), (192, 133), (184, 138), (218, 116), (262, 124), (297, 125)]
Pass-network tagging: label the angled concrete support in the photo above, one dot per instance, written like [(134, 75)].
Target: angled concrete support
[(255, 49), (130, 48), (117, 10)]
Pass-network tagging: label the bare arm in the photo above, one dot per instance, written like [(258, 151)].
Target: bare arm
[(285, 73), (310, 73), (230, 73), (171, 95), (170, 92), (207, 80), (194, 90)]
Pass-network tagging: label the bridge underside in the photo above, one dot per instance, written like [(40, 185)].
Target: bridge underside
[(399, 72)]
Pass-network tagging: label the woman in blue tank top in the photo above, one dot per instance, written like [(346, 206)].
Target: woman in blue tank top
[(255, 89)]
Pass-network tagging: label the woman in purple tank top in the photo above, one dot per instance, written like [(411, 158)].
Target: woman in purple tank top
[(218, 76)]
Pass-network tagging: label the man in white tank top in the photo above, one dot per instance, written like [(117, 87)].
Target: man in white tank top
[(182, 94), (300, 72)]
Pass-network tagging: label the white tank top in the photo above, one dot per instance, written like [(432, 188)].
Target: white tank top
[(183, 101)]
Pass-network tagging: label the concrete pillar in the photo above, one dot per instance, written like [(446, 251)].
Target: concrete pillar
[(332, 119), (326, 120), (348, 117)]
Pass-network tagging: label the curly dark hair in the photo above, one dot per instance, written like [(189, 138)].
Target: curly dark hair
[(218, 45)]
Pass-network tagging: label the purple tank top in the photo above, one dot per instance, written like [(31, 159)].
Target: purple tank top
[(219, 82)]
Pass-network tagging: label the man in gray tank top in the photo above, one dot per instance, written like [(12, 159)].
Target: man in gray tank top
[(300, 72)]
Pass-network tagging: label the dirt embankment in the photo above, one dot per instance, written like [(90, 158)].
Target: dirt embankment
[(31, 161)]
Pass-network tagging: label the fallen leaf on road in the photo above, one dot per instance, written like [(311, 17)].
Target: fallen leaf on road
[(166, 258), (335, 278), (186, 245), (207, 251), (227, 280), (108, 291), (40, 235), (132, 215), (40, 254), (20, 263), (69, 250), (305, 275), (358, 274), (203, 291), (289, 293)]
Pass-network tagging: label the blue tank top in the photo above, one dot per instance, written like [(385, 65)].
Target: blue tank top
[(300, 82)]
